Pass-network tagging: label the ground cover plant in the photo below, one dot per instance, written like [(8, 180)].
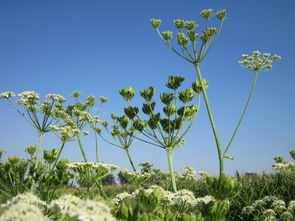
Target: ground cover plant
[(45, 187)]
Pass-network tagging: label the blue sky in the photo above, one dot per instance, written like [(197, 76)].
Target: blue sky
[(99, 47)]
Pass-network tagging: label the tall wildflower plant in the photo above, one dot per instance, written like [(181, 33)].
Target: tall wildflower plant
[(193, 46), (74, 118), (167, 128), (37, 114), (122, 135)]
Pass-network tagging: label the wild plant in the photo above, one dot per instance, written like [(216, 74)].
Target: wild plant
[(91, 173), (37, 115), (77, 117), (123, 136), (284, 166), (166, 131), (269, 208), (194, 47)]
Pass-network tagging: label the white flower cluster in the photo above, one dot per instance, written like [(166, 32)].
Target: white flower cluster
[(56, 97), (28, 198), (24, 207), (29, 94), (181, 197), (269, 208), (84, 210), (22, 211), (7, 94), (284, 166), (74, 165)]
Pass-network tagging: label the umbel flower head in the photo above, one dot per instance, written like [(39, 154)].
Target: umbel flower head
[(258, 61), (7, 95), (127, 93)]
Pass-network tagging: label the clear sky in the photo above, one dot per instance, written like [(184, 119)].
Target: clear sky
[(99, 47)]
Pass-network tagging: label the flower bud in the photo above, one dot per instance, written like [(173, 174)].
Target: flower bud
[(131, 111), (105, 123), (187, 95), (148, 94), (155, 23), (221, 14), (174, 82), (207, 13), (190, 25), (167, 35), (127, 93), (197, 87), (179, 24), (54, 128)]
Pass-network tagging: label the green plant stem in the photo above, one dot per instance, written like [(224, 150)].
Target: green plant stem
[(81, 148), (220, 155), (55, 162), (99, 185), (130, 160), (171, 170), (96, 146), (243, 114), (38, 151)]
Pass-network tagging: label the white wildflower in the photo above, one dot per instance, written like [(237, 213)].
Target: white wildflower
[(84, 210), (122, 196), (56, 97), (7, 94), (29, 94), (28, 198)]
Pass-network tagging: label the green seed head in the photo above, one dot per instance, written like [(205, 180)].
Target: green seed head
[(148, 94), (90, 101), (148, 108), (174, 82), (207, 13), (208, 34), (123, 121), (76, 94), (179, 24), (187, 95), (114, 116), (131, 111), (190, 25), (197, 87), (167, 98), (103, 99), (182, 40), (170, 110), (221, 14), (193, 36), (127, 93), (167, 35), (139, 125), (155, 23)]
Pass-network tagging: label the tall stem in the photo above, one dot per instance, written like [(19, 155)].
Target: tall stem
[(171, 170), (96, 146), (220, 155), (38, 151), (130, 160), (81, 148), (243, 114)]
